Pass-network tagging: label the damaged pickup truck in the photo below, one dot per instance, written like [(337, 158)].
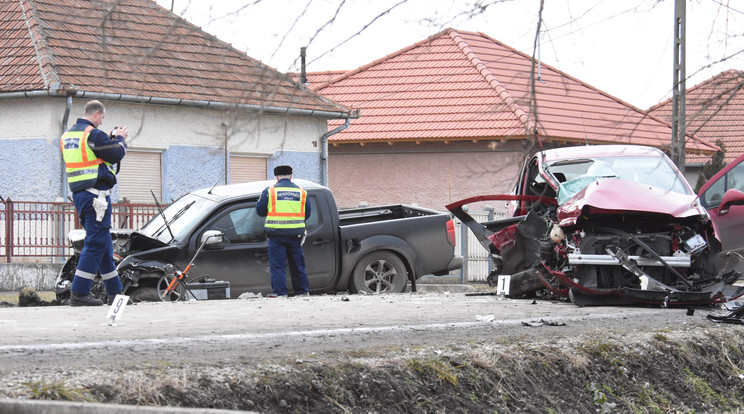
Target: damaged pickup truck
[(366, 250), (608, 225)]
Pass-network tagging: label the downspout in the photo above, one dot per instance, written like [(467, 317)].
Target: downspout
[(324, 151)]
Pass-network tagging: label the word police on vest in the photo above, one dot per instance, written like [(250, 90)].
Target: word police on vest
[(288, 195)]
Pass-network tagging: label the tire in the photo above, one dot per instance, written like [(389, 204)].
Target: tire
[(378, 273), (144, 294), (175, 295), (524, 283)]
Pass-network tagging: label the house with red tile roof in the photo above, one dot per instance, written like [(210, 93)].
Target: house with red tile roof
[(199, 112), (714, 110), (454, 116)]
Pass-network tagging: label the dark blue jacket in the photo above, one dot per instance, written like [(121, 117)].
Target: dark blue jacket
[(262, 209), (111, 151)]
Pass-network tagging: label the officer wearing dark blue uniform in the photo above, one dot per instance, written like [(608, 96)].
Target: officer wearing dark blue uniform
[(286, 207), (90, 155)]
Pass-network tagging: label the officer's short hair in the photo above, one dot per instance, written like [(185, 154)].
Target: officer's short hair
[(93, 107)]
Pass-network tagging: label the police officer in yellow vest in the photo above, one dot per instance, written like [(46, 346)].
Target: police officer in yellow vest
[(90, 155), (286, 207)]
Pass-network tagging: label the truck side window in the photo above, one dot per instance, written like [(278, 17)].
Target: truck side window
[(242, 225), (314, 219)]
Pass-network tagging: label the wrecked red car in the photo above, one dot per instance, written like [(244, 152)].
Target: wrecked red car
[(607, 225)]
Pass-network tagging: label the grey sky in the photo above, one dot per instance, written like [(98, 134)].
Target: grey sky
[(624, 48)]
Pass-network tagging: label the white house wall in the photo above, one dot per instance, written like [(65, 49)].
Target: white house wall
[(191, 140)]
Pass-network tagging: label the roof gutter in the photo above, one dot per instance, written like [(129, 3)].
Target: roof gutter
[(272, 110), (324, 149)]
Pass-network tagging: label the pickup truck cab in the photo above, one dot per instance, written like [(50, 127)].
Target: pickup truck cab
[(370, 250)]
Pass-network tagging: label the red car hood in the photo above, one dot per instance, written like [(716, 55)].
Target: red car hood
[(622, 196)]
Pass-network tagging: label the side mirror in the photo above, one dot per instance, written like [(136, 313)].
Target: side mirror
[(212, 238), (731, 198)]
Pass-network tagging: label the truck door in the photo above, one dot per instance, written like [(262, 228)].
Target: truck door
[(320, 244), (243, 257)]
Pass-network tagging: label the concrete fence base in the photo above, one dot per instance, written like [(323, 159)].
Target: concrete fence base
[(39, 276)]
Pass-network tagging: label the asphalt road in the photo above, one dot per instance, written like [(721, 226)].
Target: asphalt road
[(218, 331)]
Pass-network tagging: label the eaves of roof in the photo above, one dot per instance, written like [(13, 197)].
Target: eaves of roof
[(137, 51), (459, 85)]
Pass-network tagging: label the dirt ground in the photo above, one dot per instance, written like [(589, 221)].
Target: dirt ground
[(443, 353)]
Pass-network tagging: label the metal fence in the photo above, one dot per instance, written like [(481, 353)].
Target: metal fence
[(32, 229), (38, 231), (476, 265)]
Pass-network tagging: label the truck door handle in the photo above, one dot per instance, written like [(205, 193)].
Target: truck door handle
[(321, 242)]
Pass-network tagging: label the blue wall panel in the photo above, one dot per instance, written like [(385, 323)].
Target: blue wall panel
[(31, 169), (186, 169), (305, 165)]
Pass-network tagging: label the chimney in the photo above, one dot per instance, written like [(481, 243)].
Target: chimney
[(303, 77)]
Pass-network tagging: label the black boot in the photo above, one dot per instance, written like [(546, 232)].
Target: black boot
[(77, 299), (110, 299)]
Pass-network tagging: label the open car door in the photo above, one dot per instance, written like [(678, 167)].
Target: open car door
[(723, 197)]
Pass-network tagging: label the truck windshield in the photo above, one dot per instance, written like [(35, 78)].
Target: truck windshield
[(181, 217), (653, 171)]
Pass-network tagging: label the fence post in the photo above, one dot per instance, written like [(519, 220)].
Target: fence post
[(8, 229), (490, 210), (464, 249)]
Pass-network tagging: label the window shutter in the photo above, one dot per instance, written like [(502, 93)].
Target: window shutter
[(140, 172), (245, 169)]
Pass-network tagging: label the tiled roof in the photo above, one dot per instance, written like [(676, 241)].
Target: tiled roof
[(714, 110), (459, 85), (136, 48)]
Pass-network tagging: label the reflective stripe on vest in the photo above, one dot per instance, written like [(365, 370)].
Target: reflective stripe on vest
[(81, 163), (286, 208)]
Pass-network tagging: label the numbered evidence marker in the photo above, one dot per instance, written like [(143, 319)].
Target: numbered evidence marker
[(502, 287), (117, 308)]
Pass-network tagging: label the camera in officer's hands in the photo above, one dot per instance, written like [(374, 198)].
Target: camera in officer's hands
[(113, 134)]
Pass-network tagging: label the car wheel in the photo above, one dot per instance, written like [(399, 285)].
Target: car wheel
[(176, 294), (379, 272)]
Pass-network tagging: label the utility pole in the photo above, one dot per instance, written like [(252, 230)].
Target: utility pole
[(678, 92)]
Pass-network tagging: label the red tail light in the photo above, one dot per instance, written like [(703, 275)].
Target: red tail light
[(451, 237)]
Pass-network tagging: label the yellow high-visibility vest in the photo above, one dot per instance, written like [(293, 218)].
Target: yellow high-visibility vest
[(81, 163), (286, 208)]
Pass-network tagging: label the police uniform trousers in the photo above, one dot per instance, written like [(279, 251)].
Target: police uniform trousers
[(283, 250), (98, 249)]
